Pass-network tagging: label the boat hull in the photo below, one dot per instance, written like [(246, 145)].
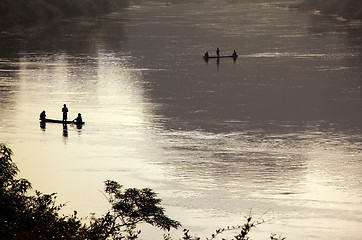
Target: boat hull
[(60, 121), (218, 57)]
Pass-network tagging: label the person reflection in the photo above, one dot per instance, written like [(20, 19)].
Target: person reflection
[(65, 130), (42, 125)]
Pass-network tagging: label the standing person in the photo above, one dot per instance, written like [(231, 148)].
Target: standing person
[(218, 52), (65, 113)]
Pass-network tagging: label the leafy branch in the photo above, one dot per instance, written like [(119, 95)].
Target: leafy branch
[(36, 216)]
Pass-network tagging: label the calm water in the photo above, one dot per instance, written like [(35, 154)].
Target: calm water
[(276, 131)]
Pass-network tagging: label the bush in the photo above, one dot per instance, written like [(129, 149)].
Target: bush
[(36, 216), (26, 216)]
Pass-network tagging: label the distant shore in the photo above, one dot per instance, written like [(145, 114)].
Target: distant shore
[(348, 9), (25, 12)]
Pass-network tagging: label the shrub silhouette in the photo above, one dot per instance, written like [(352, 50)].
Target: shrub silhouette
[(24, 215)]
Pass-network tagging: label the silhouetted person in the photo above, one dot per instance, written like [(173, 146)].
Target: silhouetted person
[(79, 119), (65, 113), (206, 56), (218, 52), (235, 54), (42, 116)]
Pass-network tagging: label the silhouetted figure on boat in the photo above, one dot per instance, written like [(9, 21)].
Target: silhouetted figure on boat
[(235, 54), (42, 116), (206, 56), (78, 119), (65, 113)]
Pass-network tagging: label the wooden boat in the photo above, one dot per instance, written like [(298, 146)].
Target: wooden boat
[(60, 121), (228, 56)]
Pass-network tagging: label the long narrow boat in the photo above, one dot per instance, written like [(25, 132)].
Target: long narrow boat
[(218, 57), (60, 121), (228, 56)]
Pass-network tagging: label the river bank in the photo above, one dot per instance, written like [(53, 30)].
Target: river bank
[(348, 9), (25, 12)]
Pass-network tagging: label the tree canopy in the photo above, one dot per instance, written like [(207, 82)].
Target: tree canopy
[(28, 215)]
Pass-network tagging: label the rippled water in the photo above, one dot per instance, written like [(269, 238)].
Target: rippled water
[(276, 131)]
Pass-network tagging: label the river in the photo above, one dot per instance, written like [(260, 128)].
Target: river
[(276, 132)]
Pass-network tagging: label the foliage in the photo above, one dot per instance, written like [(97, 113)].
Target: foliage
[(36, 216), (130, 207), (30, 217), (243, 235), (25, 216)]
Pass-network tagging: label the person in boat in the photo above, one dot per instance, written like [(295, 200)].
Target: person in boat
[(235, 54), (206, 55), (65, 112), (78, 119), (218, 52), (42, 116)]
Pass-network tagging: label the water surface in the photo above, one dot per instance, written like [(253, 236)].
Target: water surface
[(277, 131)]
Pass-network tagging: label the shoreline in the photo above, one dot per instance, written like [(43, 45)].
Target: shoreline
[(24, 12)]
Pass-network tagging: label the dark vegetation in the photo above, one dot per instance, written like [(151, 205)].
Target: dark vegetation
[(20, 12), (27, 214), (348, 9), (24, 215)]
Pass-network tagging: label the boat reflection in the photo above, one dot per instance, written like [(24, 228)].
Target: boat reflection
[(65, 128)]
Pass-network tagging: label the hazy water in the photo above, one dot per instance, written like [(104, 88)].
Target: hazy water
[(278, 130)]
